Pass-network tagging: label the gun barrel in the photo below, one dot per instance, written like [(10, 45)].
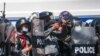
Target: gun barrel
[(4, 11)]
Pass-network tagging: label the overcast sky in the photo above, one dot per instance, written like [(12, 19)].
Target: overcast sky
[(33, 0), (26, 7)]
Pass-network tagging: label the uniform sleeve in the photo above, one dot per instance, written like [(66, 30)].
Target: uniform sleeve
[(48, 31)]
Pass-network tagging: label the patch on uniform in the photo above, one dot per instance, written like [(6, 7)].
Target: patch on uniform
[(84, 50)]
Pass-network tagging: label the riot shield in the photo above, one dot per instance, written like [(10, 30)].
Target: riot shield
[(84, 41), (2, 28), (2, 38), (5, 33), (38, 36)]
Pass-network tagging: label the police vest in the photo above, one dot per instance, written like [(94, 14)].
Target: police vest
[(84, 42)]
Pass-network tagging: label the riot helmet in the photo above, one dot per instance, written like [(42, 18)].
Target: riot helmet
[(45, 15), (66, 18), (66, 15), (23, 25), (33, 15)]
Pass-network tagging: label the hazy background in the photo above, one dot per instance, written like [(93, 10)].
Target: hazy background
[(20, 8)]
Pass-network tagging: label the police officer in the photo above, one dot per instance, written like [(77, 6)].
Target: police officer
[(65, 19), (51, 44), (84, 39), (40, 32), (5, 31), (22, 39), (37, 28)]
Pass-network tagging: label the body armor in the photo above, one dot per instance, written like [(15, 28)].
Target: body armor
[(84, 42)]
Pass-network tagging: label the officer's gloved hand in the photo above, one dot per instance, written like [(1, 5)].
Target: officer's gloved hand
[(55, 26)]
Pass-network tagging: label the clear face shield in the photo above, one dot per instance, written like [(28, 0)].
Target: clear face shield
[(37, 27), (86, 35)]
